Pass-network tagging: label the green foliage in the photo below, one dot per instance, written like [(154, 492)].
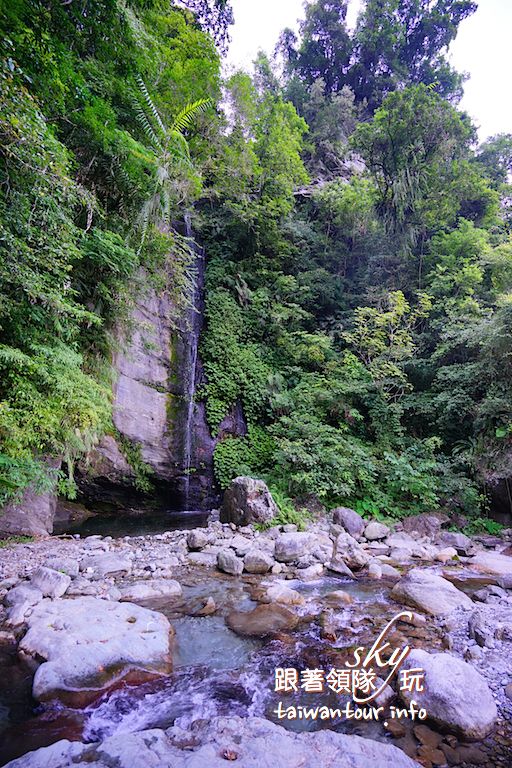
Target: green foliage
[(236, 456), (143, 473), (484, 525)]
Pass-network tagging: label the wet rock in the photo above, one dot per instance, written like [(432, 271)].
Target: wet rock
[(258, 562), (150, 590), (86, 642), (458, 541), (338, 598), (348, 550), (263, 620), (429, 592), (228, 562), (23, 593), (375, 531), (311, 573), (375, 571), (106, 565), (280, 593), (197, 539), (208, 608), (51, 583), (247, 742), (292, 546), (455, 695), (349, 520), (63, 564), (247, 501)]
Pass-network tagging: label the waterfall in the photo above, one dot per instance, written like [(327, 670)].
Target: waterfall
[(190, 338)]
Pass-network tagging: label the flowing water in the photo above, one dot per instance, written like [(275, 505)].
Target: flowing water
[(218, 673)]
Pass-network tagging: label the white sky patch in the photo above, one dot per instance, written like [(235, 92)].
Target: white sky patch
[(483, 48)]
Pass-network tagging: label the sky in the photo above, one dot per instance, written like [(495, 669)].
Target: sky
[(483, 48)]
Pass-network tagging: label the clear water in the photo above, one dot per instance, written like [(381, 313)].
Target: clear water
[(118, 526)]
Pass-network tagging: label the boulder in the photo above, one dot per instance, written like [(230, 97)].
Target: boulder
[(248, 742), (63, 564), (264, 620), (349, 520), (106, 564), (51, 583), (493, 563), (348, 550), (430, 593), (153, 589), (85, 643), (258, 562), (455, 695), (292, 546), (23, 593), (228, 562), (33, 513), (458, 541), (424, 524), (248, 501), (197, 539), (280, 593), (375, 531)]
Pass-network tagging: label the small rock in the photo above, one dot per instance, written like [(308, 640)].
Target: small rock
[(338, 598), (445, 555), (292, 546), (197, 539), (258, 562), (375, 571), (228, 562), (208, 608), (51, 583), (312, 573), (280, 593), (375, 531)]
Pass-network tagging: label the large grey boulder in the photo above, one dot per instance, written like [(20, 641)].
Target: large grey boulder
[(292, 546), (249, 742), (23, 593), (455, 695), (247, 501), (51, 583), (493, 563), (66, 565), (33, 513), (430, 593), (85, 643), (349, 520)]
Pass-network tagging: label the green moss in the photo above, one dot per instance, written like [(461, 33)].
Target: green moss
[(143, 473)]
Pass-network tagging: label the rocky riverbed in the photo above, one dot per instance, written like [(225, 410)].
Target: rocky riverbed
[(115, 648)]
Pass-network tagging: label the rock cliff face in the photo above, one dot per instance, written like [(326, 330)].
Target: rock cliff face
[(161, 429)]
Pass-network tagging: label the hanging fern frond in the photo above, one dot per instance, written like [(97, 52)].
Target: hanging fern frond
[(150, 104)]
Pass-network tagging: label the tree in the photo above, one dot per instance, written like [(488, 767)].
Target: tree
[(214, 16), (403, 42), (413, 138)]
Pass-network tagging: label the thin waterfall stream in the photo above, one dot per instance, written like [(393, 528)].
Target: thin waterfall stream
[(190, 336)]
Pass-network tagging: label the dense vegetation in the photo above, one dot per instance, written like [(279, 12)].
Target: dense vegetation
[(359, 280)]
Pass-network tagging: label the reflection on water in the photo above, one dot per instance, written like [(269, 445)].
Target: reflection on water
[(118, 526)]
